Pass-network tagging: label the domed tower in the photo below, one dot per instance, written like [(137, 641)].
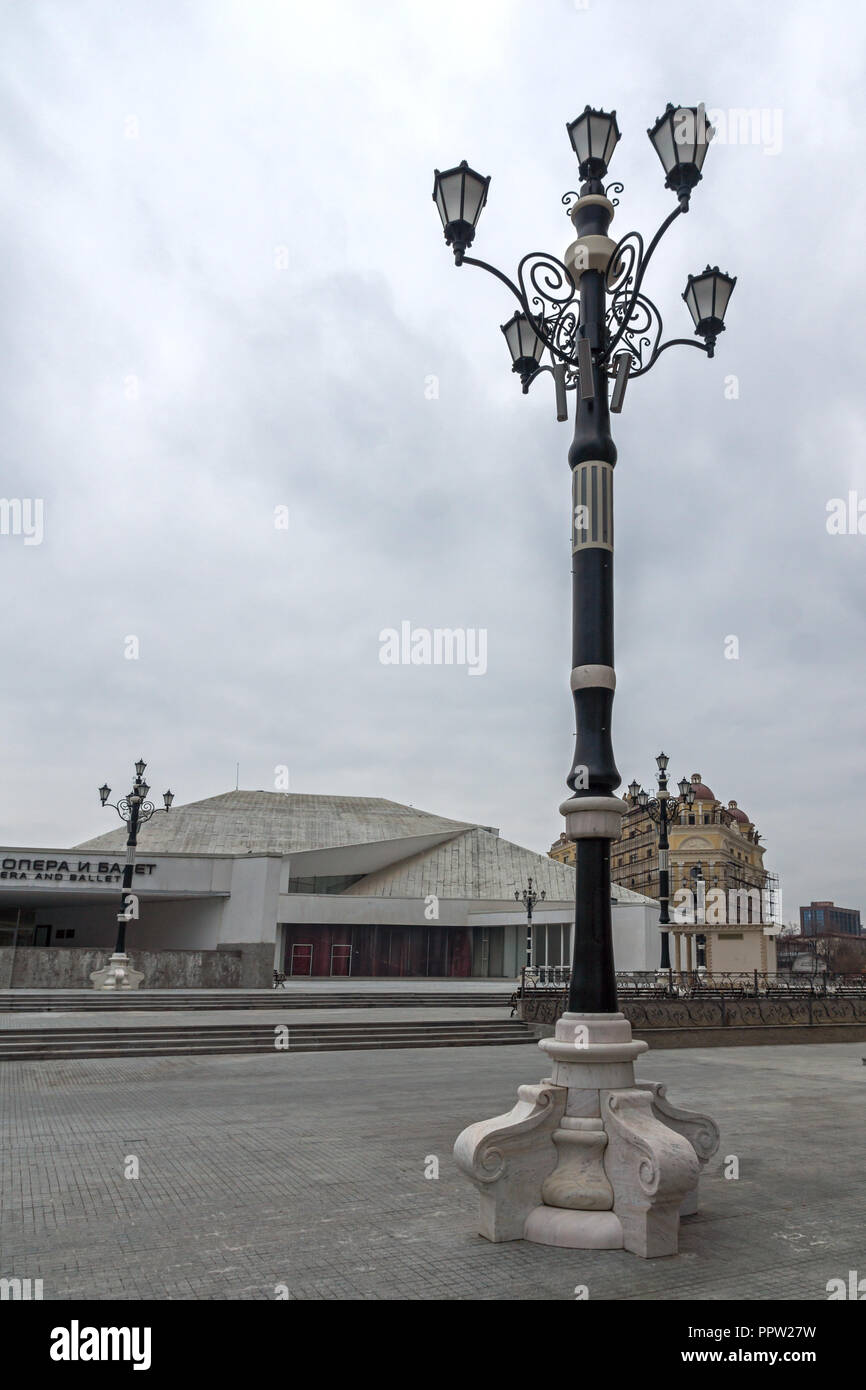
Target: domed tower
[(702, 793)]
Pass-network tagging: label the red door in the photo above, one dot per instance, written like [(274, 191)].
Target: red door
[(341, 958), (302, 958)]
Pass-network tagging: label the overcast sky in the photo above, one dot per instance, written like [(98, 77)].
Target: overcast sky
[(225, 291)]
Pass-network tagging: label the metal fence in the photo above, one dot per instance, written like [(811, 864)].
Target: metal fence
[(691, 984)]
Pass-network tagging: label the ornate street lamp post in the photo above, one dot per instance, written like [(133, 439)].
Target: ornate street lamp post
[(135, 810), (529, 897), (589, 312), (663, 809)]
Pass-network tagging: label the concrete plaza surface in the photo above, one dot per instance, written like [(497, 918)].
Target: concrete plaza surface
[(308, 1171)]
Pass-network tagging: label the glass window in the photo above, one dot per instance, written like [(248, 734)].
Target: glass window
[(324, 883)]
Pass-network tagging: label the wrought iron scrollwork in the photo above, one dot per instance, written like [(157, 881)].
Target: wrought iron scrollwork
[(549, 296), (635, 323), (673, 806), (145, 810), (572, 196), (624, 267)]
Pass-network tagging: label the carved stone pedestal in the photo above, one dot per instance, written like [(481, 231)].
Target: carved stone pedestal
[(117, 974), (589, 1158)]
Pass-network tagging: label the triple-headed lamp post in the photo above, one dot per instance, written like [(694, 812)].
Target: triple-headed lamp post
[(663, 809), (589, 312), (135, 810), (529, 897)]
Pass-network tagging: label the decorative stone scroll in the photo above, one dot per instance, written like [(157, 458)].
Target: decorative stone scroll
[(590, 1158)]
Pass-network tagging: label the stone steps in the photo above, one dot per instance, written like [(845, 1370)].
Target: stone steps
[(88, 1000), (54, 1044)]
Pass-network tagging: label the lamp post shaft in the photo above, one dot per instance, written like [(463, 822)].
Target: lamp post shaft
[(128, 870), (592, 457)]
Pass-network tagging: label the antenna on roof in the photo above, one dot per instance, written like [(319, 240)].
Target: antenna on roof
[(237, 775)]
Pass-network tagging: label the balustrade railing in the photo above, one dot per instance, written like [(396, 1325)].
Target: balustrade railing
[(660, 984)]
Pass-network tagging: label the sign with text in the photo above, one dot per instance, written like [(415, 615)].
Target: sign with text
[(29, 870)]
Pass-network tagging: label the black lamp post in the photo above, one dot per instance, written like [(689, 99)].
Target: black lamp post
[(136, 810), (663, 809), (529, 897), (590, 314)]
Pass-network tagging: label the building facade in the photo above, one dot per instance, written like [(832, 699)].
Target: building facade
[(826, 919), (315, 886), (715, 856)]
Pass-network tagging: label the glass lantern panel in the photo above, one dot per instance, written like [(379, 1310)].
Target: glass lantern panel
[(705, 297), (579, 133), (685, 127), (723, 294), (599, 130), (664, 142), (473, 194), (705, 134), (448, 197)]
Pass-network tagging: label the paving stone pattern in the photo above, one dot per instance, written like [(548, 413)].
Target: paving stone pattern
[(308, 1170)]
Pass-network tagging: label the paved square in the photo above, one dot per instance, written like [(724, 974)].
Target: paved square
[(308, 1170)]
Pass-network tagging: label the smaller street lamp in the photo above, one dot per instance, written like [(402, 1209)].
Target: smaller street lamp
[(707, 298), (594, 135), (681, 137), (135, 810), (529, 897), (459, 194), (524, 344), (663, 809)]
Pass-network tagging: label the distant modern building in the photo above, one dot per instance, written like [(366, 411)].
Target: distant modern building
[(719, 844), (313, 885), (826, 919)]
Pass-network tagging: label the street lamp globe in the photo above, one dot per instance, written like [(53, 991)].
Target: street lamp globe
[(643, 797), (139, 768), (459, 194), (104, 792), (680, 138), (594, 137), (633, 790), (707, 297), (524, 344), (662, 762)]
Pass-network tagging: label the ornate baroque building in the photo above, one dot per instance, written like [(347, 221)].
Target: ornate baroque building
[(719, 845)]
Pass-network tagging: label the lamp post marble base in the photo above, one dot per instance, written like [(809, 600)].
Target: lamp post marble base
[(117, 974), (589, 1158)]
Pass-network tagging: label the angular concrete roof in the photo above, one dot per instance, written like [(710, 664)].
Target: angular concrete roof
[(412, 853), (278, 823), (479, 865)]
